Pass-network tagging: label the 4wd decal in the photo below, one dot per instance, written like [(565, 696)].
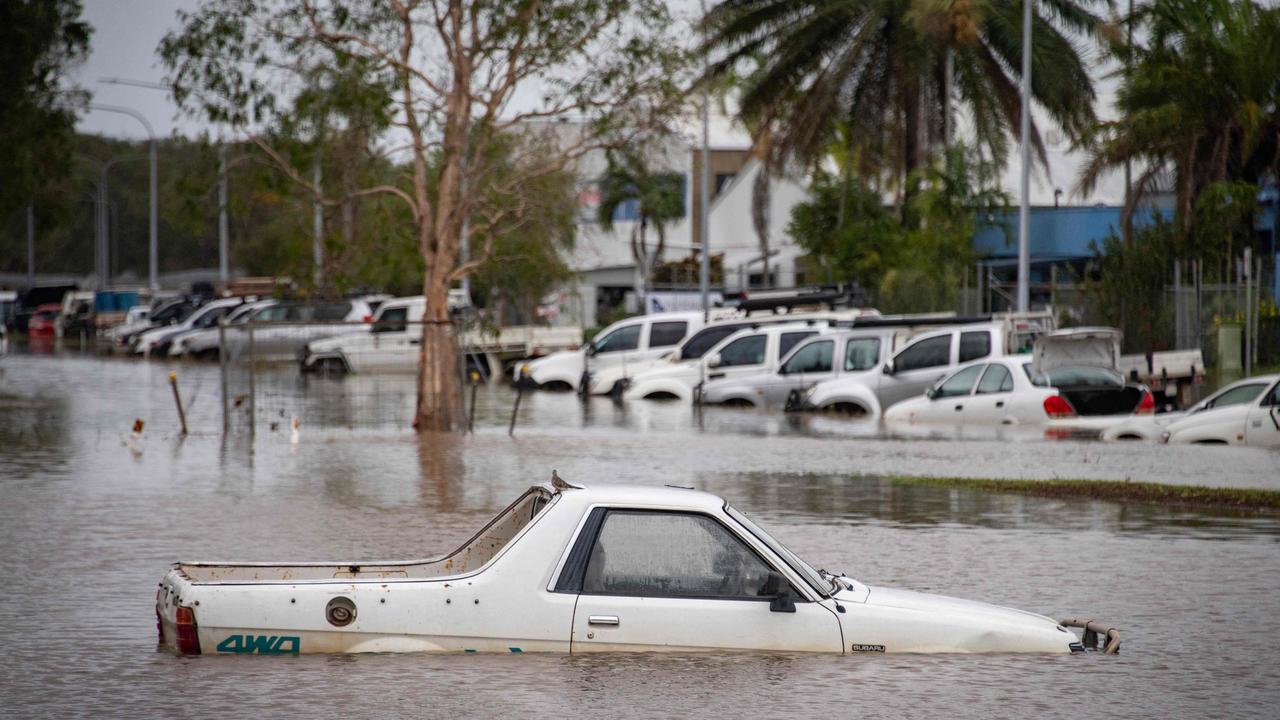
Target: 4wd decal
[(261, 644), (856, 647)]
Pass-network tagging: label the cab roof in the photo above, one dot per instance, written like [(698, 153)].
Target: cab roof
[(664, 496)]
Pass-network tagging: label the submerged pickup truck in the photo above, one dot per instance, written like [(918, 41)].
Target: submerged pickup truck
[(571, 569)]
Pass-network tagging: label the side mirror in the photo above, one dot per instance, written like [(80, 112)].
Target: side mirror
[(779, 592), (888, 367), (931, 393), (591, 349), (713, 361)]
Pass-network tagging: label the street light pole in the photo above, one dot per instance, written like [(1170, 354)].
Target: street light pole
[(153, 274), (31, 245), (1024, 212), (704, 216), (224, 260)]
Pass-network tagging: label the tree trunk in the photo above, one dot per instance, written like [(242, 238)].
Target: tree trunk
[(439, 392)]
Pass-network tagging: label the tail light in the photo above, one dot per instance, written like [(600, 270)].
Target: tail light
[(188, 639), (368, 318), (1056, 406), (1147, 405)]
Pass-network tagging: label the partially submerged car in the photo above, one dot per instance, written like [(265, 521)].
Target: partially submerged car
[(632, 342), (1070, 382), (571, 569), (1152, 427), (747, 352), (1256, 422)]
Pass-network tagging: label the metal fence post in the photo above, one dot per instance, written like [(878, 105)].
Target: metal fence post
[(222, 371), (253, 400)]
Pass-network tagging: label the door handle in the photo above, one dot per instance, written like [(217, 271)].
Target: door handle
[(603, 620), (716, 376), (959, 408), (415, 341), (1000, 404)]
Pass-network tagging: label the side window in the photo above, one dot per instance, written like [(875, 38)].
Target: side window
[(332, 311), (931, 352), (666, 334), (974, 345), (1236, 395), (997, 379), (658, 554), (812, 358), (789, 340), (626, 337), (743, 351), (861, 354), (960, 383), (705, 339), (392, 320), (1274, 397), (270, 314)]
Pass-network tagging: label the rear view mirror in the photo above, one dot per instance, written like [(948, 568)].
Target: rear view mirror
[(713, 360)]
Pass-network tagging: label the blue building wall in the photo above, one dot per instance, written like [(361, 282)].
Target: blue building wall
[(1057, 234)]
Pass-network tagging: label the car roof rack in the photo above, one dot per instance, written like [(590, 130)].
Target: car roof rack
[(829, 296), (909, 320)]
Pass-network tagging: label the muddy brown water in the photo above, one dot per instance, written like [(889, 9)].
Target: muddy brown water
[(88, 525)]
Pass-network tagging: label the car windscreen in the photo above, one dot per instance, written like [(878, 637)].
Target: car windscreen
[(804, 569), (331, 311)]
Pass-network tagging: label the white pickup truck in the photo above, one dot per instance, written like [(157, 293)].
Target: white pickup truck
[(393, 341), (571, 569)]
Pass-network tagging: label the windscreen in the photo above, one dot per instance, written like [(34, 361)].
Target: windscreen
[(813, 577)]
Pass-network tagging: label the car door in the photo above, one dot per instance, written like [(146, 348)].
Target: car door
[(950, 399), (1263, 426), (809, 364), (669, 580), (743, 356), (915, 368), (616, 348), (991, 399)]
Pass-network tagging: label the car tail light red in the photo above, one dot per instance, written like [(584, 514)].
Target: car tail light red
[(188, 638), (368, 318), (1147, 405), (1056, 406)]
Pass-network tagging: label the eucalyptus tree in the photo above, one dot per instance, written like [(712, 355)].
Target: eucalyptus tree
[(457, 74), (894, 73)]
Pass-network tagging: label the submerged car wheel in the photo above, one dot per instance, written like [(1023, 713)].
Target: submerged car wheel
[(738, 403), (661, 395), (852, 409), (331, 367)]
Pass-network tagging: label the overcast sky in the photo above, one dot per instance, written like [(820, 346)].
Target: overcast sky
[(126, 33)]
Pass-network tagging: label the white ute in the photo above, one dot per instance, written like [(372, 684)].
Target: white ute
[(572, 569)]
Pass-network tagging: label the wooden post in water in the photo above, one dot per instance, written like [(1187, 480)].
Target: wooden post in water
[(177, 400), (511, 430)]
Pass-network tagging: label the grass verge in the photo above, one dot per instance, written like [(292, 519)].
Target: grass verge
[(1113, 491)]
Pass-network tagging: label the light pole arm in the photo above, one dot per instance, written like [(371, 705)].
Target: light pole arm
[(154, 252)]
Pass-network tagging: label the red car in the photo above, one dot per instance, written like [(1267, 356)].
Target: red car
[(44, 321)]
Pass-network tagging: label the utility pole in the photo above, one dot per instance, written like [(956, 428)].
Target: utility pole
[(1024, 211), (317, 229), (224, 259), (31, 245), (704, 217)]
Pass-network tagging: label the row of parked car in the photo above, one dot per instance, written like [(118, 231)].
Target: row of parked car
[(919, 370)]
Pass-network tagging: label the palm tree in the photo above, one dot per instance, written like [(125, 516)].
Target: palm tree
[(886, 69), (658, 198), (1199, 106)]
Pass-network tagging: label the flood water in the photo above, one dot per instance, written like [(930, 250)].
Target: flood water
[(89, 522)]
